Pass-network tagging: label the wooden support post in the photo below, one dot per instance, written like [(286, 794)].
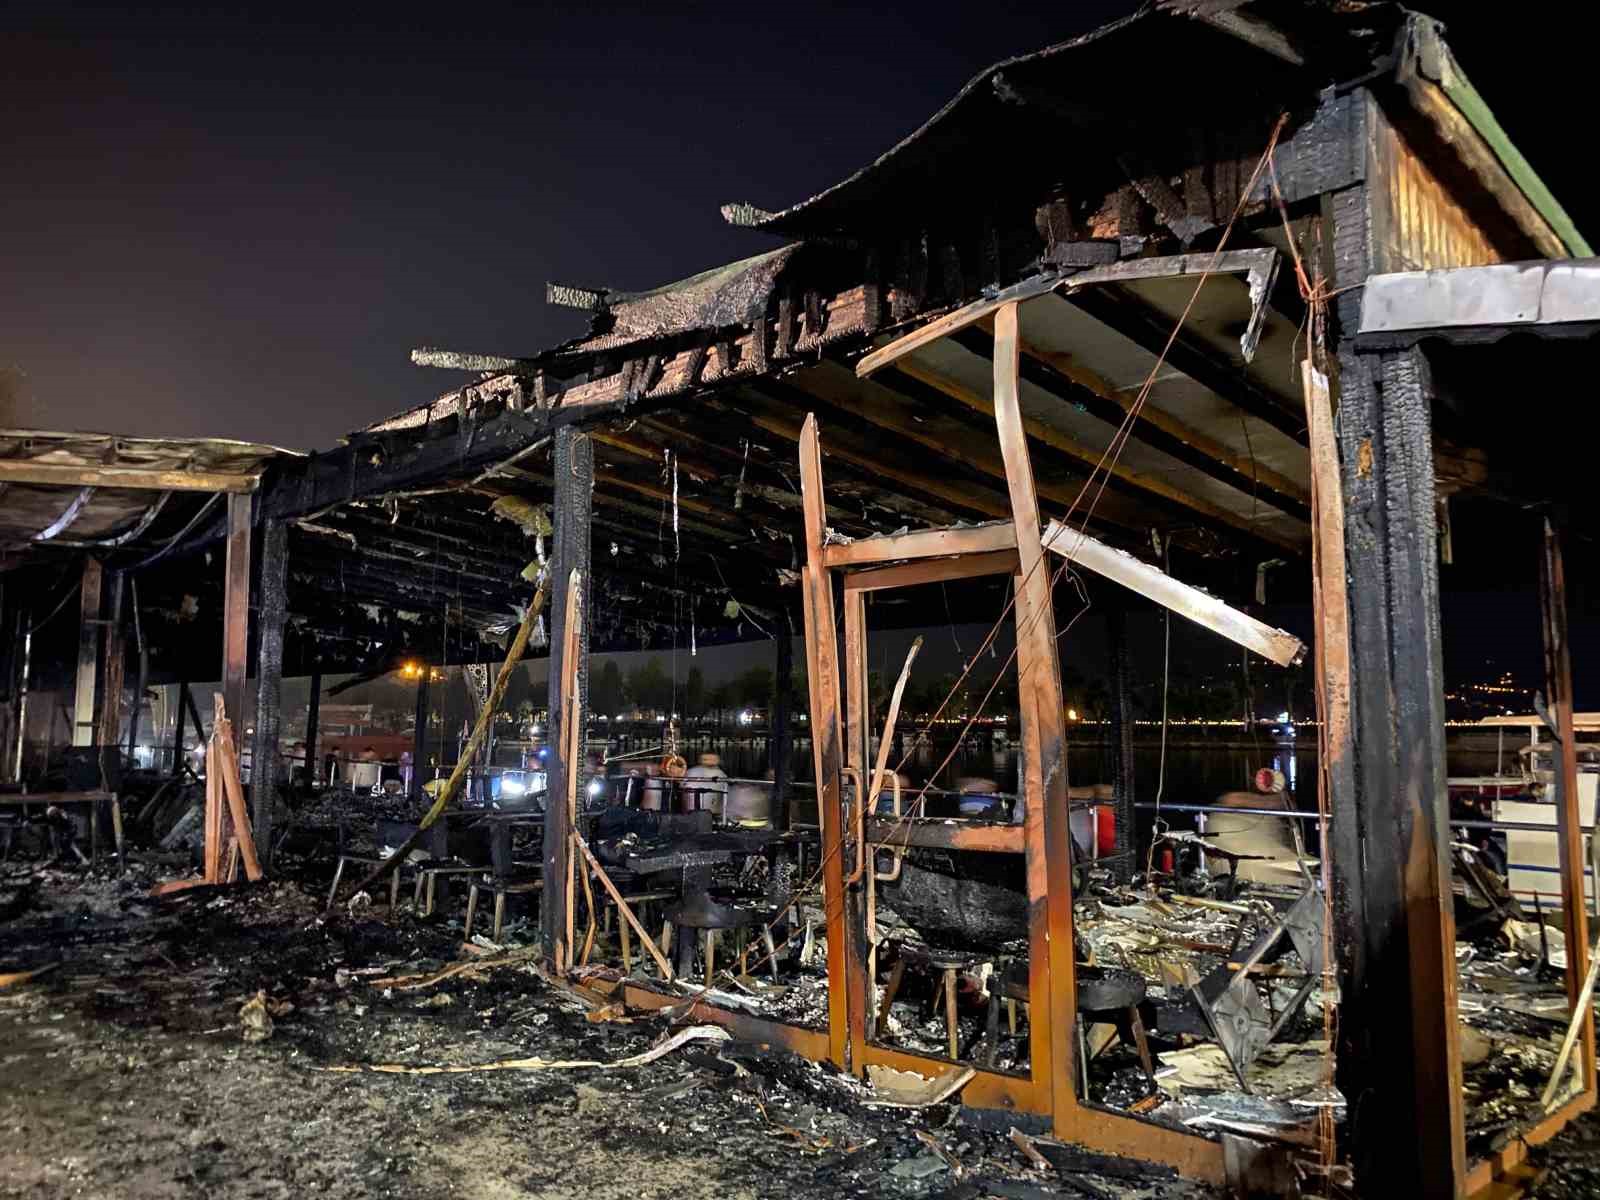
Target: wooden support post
[(83, 712), (1569, 827), (236, 607), (419, 735), (142, 676), (313, 713), (108, 737), (180, 715), (846, 1020), (24, 670), (1122, 773), (1051, 978), (113, 668), (559, 809), (569, 655), (1400, 1062), (235, 621), (265, 743), (780, 741)]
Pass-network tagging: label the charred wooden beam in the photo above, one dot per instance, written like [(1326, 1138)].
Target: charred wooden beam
[(955, 493), (1152, 332), (961, 445), (861, 481), (439, 443), (1077, 385), (16, 470), (1154, 490)]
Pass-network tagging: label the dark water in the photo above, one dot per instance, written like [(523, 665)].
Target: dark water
[(1190, 773)]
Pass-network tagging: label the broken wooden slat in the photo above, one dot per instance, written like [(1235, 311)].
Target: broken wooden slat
[(228, 763), (1155, 584), (952, 322), (932, 570), (623, 908), (921, 543), (63, 475), (1056, 439)]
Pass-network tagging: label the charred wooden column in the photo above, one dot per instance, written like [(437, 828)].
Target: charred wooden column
[(83, 712), (846, 982), (1122, 785), (236, 607), (181, 714), (108, 739), (142, 676), (108, 734), (570, 515), (313, 713), (1569, 826), (1052, 982), (25, 665), (419, 735), (265, 744), (1400, 1064), (780, 744)]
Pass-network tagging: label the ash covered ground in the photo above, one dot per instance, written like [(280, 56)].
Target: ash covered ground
[(125, 1071)]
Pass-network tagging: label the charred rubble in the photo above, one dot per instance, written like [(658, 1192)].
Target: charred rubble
[(1261, 345)]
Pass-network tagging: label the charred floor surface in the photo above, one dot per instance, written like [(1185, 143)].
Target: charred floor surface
[(129, 1069)]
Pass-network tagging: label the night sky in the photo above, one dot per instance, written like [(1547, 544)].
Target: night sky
[(215, 222)]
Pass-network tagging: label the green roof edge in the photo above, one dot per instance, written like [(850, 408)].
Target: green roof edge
[(1476, 110)]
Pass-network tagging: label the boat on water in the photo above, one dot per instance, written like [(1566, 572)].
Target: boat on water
[(1522, 794)]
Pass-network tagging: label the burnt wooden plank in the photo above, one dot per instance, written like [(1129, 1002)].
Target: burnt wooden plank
[(568, 665), (265, 741)]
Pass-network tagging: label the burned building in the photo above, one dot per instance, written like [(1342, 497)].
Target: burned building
[(1048, 337)]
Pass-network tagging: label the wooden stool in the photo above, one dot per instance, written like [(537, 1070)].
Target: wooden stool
[(637, 902), (1112, 996), (949, 965), (501, 889), (366, 861), (427, 876)]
